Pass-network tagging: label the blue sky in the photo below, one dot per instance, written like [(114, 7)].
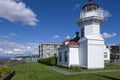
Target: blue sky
[(37, 21)]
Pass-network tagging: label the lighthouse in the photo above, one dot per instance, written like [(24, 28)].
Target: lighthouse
[(91, 50)]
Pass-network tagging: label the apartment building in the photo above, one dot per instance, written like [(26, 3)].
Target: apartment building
[(48, 49)]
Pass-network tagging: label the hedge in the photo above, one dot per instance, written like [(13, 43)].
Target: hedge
[(48, 61)]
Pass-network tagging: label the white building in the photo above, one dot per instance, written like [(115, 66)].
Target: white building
[(68, 54), (106, 53), (48, 49), (90, 51)]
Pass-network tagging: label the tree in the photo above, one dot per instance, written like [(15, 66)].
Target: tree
[(112, 56), (114, 49)]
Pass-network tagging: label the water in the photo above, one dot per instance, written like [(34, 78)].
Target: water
[(29, 57), (4, 57)]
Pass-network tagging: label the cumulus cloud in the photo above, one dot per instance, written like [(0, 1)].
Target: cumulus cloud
[(76, 6), (68, 37), (16, 11), (8, 36), (106, 13), (108, 35), (13, 34), (8, 47), (56, 36)]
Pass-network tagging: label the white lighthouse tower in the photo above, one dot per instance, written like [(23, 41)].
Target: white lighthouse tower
[(91, 43)]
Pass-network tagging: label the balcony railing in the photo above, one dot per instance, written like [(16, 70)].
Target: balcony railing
[(94, 13)]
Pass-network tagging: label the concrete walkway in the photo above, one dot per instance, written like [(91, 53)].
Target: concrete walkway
[(72, 73), (59, 70)]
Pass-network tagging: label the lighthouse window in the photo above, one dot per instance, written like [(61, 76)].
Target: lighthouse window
[(94, 7), (82, 32)]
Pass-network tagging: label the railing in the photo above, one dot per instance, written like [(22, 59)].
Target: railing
[(94, 13), (9, 76)]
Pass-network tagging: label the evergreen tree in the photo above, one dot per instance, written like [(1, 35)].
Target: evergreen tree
[(114, 49)]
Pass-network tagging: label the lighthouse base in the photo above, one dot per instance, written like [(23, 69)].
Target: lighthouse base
[(91, 53)]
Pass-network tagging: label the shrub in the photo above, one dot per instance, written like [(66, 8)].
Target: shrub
[(76, 67), (114, 65), (48, 61), (4, 70)]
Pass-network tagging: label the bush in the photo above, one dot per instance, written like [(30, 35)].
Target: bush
[(76, 67), (4, 70), (114, 65), (48, 61)]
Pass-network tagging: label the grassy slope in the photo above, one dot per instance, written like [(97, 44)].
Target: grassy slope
[(109, 66), (36, 71)]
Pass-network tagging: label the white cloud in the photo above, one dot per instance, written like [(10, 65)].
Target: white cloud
[(1, 50), (7, 47), (13, 34), (108, 35), (68, 37), (8, 36), (76, 6), (16, 11), (106, 13), (17, 50), (8, 51), (56, 36)]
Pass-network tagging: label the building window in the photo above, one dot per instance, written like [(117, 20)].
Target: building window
[(55, 54), (48, 47), (55, 46), (60, 57), (105, 54), (65, 55), (82, 32), (48, 54), (118, 56)]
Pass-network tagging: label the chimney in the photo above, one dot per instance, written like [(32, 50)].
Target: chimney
[(76, 39), (77, 34)]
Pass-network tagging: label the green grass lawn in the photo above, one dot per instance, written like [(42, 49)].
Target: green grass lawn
[(112, 74), (108, 66), (37, 71)]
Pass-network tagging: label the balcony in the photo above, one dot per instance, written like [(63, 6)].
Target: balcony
[(95, 13)]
